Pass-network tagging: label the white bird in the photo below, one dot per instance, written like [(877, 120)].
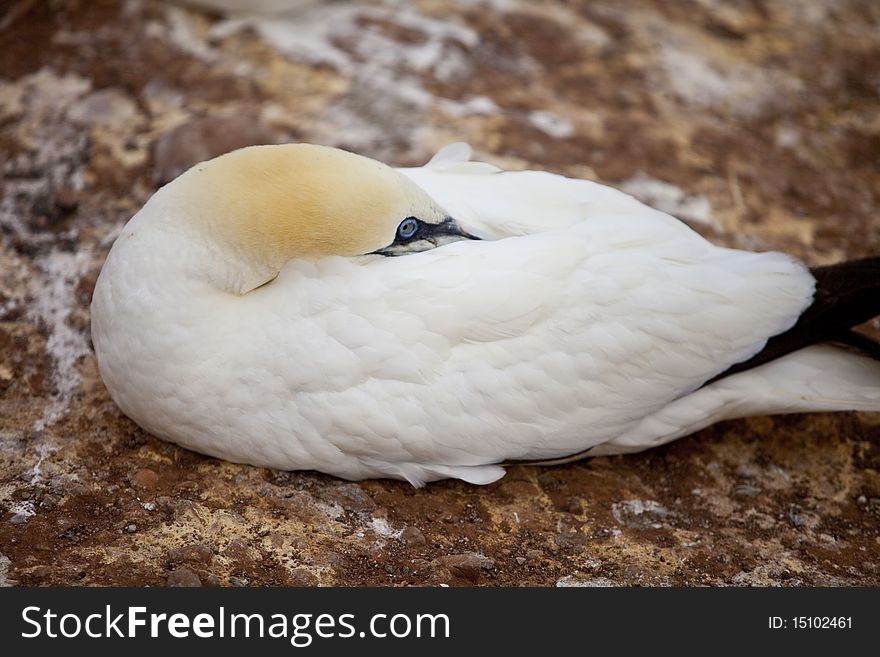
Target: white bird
[(250, 311)]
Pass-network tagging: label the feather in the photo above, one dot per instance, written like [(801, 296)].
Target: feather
[(451, 154), (847, 294)]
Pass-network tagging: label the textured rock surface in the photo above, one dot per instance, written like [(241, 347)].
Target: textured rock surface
[(755, 122)]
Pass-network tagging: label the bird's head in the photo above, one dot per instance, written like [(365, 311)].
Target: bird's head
[(262, 206)]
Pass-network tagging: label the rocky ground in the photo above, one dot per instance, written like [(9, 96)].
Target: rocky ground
[(756, 122)]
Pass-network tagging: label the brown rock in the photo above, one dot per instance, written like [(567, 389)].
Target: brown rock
[(107, 108), (351, 497), (188, 511), (183, 577), (204, 138), (241, 554), (193, 553), (67, 199), (145, 478), (412, 536), (465, 566), (302, 577)]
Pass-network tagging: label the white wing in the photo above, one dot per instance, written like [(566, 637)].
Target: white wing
[(494, 203), (818, 378), (592, 314)]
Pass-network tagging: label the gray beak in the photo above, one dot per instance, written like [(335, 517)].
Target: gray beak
[(446, 232), (430, 236)]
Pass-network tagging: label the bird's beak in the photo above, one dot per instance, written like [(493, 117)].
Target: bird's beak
[(446, 232)]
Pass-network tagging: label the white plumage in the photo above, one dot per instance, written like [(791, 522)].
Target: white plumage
[(582, 320)]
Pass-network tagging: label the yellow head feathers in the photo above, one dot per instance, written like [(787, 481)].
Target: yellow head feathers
[(269, 204), (301, 199)]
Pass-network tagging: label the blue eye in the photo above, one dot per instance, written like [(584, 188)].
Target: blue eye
[(407, 228)]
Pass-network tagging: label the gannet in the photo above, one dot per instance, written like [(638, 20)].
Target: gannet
[(301, 307)]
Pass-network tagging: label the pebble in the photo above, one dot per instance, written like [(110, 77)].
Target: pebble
[(242, 554), (183, 577), (466, 566), (574, 506), (194, 552), (108, 108), (302, 577), (640, 514), (145, 478), (67, 199), (412, 536), (203, 138), (131, 529)]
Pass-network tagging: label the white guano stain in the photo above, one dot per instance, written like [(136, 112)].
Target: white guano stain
[(54, 301)]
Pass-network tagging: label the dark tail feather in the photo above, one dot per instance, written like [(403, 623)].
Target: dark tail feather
[(847, 294)]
